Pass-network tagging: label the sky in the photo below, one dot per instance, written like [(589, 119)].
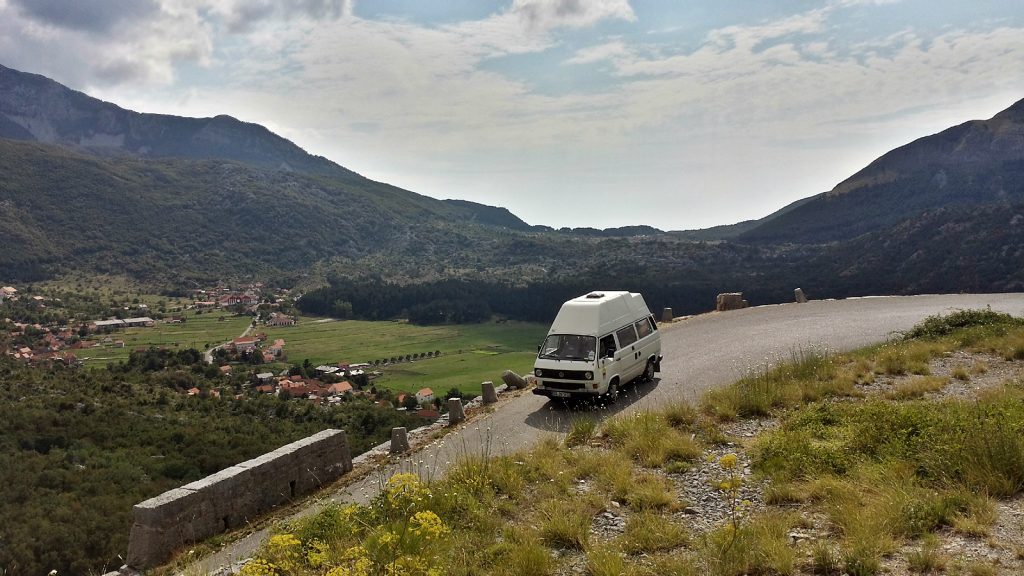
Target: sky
[(678, 114)]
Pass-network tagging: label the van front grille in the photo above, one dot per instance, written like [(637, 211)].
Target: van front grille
[(564, 374)]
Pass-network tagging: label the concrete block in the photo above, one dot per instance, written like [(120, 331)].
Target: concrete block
[(490, 396), (455, 412), (399, 440)]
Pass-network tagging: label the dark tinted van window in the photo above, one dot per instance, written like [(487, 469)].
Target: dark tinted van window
[(626, 335), (643, 328)]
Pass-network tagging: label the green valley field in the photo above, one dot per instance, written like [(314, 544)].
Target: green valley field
[(470, 353), (198, 331)]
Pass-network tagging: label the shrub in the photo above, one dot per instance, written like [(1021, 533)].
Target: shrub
[(938, 325)]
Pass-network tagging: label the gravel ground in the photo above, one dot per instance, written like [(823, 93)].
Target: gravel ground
[(706, 506)]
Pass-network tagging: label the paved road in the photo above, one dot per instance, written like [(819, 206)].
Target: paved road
[(700, 352)]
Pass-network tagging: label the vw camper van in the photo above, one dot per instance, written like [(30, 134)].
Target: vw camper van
[(598, 342)]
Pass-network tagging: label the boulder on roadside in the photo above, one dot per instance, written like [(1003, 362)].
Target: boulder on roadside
[(730, 301), (513, 380)]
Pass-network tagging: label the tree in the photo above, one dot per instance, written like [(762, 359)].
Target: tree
[(341, 309), (409, 402)]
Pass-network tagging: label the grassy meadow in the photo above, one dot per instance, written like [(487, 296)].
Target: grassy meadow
[(470, 353), (197, 331)]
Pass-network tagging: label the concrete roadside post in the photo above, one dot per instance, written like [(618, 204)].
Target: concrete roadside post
[(399, 440), (801, 298), (456, 413), (488, 392), (666, 315)]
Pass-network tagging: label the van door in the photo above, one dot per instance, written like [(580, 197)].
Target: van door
[(607, 364), (649, 341), (628, 354)]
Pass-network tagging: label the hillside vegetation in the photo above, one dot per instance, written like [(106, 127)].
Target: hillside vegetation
[(89, 188), (820, 487), (78, 448)]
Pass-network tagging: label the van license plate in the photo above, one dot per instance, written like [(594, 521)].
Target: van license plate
[(557, 394)]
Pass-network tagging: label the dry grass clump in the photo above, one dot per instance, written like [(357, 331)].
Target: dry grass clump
[(808, 377), (647, 533), (917, 387), (649, 439)]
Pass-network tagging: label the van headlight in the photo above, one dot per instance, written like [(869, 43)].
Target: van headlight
[(589, 375), (538, 372)]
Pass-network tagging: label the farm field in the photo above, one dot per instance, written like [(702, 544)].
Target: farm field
[(470, 353), (196, 332)]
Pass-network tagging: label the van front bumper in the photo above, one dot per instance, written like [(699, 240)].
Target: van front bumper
[(561, 392)]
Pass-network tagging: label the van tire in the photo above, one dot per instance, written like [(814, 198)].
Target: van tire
[(613, 392), (648, 375)]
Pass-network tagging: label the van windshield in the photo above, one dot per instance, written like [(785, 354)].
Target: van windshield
[(568, 347)]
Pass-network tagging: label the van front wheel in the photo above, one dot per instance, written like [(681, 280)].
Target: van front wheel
[(613, 391), (649, 371)]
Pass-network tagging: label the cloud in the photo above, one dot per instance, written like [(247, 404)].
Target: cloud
[(551, 14), (599, 53), (97, 16), (92, 44), (241, 15)]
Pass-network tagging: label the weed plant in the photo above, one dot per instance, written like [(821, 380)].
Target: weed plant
[(581, 430)]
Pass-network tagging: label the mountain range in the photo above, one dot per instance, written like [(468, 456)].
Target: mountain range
[(89, 187)]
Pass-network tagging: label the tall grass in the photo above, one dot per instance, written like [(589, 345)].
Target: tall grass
[(648, 439), (808, 376), (758, 546)]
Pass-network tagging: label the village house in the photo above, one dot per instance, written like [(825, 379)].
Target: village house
[(278, 319), (245, 344), (277, 348), (424, 396), (114, 324), (339, 388)]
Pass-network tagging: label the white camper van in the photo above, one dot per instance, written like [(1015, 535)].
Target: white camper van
[(598, 343)]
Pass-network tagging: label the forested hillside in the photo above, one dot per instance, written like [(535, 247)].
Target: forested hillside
[(78, 448), (171, 202)]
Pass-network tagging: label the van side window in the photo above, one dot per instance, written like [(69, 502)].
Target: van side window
[(607, 346), (643, 328), (654, 325), (626, 335)]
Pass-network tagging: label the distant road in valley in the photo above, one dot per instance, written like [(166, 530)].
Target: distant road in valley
[(700, 352)]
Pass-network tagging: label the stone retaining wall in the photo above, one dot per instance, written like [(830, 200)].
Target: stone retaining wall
[(235, 496)]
